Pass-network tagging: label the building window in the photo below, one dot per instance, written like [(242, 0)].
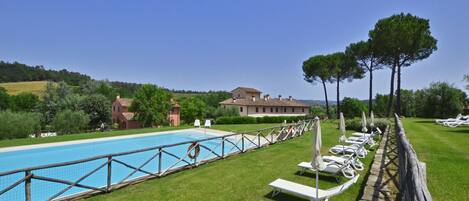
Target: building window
[(271, 110), (257, 109), (302, 110), (285, 109), (263, 109), (276, 109), (292, 109), (241, 109), (118, 109)]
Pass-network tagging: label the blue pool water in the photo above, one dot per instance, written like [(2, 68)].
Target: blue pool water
[(42, 190)]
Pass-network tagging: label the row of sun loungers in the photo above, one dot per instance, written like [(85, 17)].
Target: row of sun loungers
[(346, 165), (460, 120)]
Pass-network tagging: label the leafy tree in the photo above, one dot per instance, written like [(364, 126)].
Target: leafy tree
[(319, 111), (440, 100), (369, 60), (18, 124), (102, 87), (49, 106), (466, 78), (343, 67), (151, 105), (352, 107), (25, 102), (408, 103), (402, 40), (4, 99), (67, 122), (380, 104), (316, 69), (192, 108), (97, 107), (224, 112)]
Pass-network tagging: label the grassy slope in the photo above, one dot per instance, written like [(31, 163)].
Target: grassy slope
[(241, 177), (446, 154), (35, 87)]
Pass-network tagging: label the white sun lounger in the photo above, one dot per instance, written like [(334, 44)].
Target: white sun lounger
[(357, 149), (457, 123), (449, 120), (197, 123), (300, 190), (355, 162), (208, 124), (331, 168), (359, 134)]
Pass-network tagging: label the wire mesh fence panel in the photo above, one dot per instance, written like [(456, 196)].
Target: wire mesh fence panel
[(99, 173), (62, 181), (11, 192)]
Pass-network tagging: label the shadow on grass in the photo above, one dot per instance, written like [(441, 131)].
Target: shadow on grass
[(322, 177), (426, 121), (283, 197), (462, 131)]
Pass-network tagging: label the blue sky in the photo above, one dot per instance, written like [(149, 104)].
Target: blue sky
[(221, 44)]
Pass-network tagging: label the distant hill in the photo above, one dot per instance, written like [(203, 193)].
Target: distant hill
[(17, 77), (317, 102), (17, 72)]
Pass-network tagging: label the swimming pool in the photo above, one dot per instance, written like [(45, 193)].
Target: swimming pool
[(149, 160)]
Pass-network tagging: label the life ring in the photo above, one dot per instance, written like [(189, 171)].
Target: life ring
[(194, 146)]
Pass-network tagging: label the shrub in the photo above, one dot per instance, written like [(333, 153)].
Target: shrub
[(352, 107), (18, 125), (67, 122), (24, 101), (356, 124)]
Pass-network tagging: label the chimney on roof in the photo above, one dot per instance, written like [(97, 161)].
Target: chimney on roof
[(266, 97), (280, 97), (290, 98), (234, 100), (118, 97), (253, 98)]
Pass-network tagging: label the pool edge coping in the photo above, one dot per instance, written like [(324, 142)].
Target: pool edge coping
[(83, 141)]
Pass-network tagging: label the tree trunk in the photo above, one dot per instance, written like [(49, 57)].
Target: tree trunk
[(338, 97), (391, 92), (398, 107), (327, 101), (370, 100)]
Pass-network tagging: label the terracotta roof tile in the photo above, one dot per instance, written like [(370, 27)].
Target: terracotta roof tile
[(247, 89)]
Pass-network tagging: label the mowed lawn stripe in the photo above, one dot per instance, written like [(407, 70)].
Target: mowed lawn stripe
[(446, 154)]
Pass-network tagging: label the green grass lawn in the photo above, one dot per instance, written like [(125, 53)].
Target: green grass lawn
[(238, 128), (242, 177), (446, 154)]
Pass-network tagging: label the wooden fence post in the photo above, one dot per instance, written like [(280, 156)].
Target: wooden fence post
[(27, 186), (223, 147), (160, 153), (109, 173)]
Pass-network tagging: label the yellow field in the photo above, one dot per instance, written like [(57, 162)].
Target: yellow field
[(35, 87)]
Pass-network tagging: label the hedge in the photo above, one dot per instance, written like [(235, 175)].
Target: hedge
[(356, 124)]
